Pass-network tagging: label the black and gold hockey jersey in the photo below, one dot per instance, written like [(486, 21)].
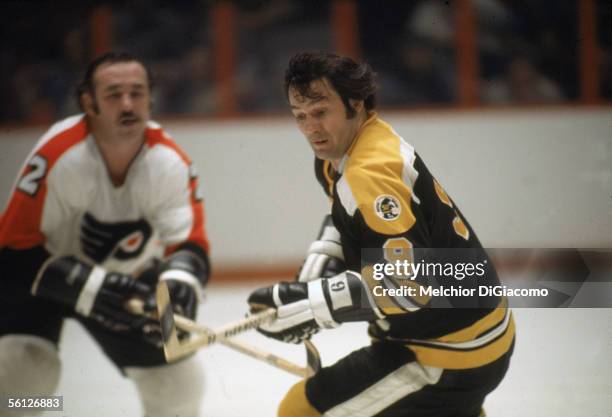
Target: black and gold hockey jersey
[(384, 197)]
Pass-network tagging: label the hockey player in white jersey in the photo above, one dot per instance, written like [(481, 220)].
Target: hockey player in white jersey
[(106, 205)]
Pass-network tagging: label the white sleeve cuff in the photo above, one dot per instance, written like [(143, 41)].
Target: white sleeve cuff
[(88, 294), (185, 277), (318, 304)]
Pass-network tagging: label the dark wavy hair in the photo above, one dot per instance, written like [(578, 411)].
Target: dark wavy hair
[(350, 79), (86, 85)]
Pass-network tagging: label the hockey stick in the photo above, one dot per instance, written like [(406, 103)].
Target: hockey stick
[(313, 358), (183, 323), (175, 349), (136, 306)]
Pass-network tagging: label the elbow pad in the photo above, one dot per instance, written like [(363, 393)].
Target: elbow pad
[(324, 257)]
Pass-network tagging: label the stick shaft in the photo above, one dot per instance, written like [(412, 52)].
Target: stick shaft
[(188, 325), (136, 306), (240, 326), (267, 357)]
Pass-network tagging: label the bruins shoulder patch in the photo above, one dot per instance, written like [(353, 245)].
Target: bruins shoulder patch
[(387, 207)]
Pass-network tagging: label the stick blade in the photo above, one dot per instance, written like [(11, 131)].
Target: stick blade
[(313, 358), (172, 346)]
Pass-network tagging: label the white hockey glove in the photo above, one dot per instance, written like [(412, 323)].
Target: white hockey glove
[(304, 308), (91, 291), (324, 258)]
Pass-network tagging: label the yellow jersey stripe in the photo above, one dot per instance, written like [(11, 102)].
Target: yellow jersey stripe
[(377, 168), (475, 330), (452, 359)]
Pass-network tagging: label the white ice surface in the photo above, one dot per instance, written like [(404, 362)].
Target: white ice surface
[(562, 366)]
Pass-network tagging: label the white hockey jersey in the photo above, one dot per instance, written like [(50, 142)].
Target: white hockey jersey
[(64, 199)]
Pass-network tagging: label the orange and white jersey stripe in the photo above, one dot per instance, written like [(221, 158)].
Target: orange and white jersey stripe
[(64, 199)]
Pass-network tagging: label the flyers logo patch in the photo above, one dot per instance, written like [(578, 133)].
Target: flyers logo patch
[(387, 207), (121, 240)]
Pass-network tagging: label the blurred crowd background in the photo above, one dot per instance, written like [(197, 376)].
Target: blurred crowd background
[(226, 58)]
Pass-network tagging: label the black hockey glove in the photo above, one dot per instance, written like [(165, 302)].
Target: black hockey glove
[(324, 258), (185, 272), (92, 292)]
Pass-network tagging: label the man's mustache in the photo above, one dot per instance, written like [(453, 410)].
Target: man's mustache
[(128, 116)]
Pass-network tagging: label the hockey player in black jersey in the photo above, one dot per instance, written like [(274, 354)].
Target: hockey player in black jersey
[(423, 360)]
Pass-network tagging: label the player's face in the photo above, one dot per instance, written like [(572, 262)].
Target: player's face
[(121, 106), (322, 119)]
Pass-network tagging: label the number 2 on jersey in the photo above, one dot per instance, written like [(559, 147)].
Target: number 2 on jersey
[(30, 182)]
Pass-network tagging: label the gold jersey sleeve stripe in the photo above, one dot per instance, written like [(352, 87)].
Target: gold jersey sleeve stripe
[(374, 168), (389, 305)]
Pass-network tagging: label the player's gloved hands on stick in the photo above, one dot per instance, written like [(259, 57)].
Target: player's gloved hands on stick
[(92, 291), (184, 299), (304, 308), (295, 318), (324, 258)]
